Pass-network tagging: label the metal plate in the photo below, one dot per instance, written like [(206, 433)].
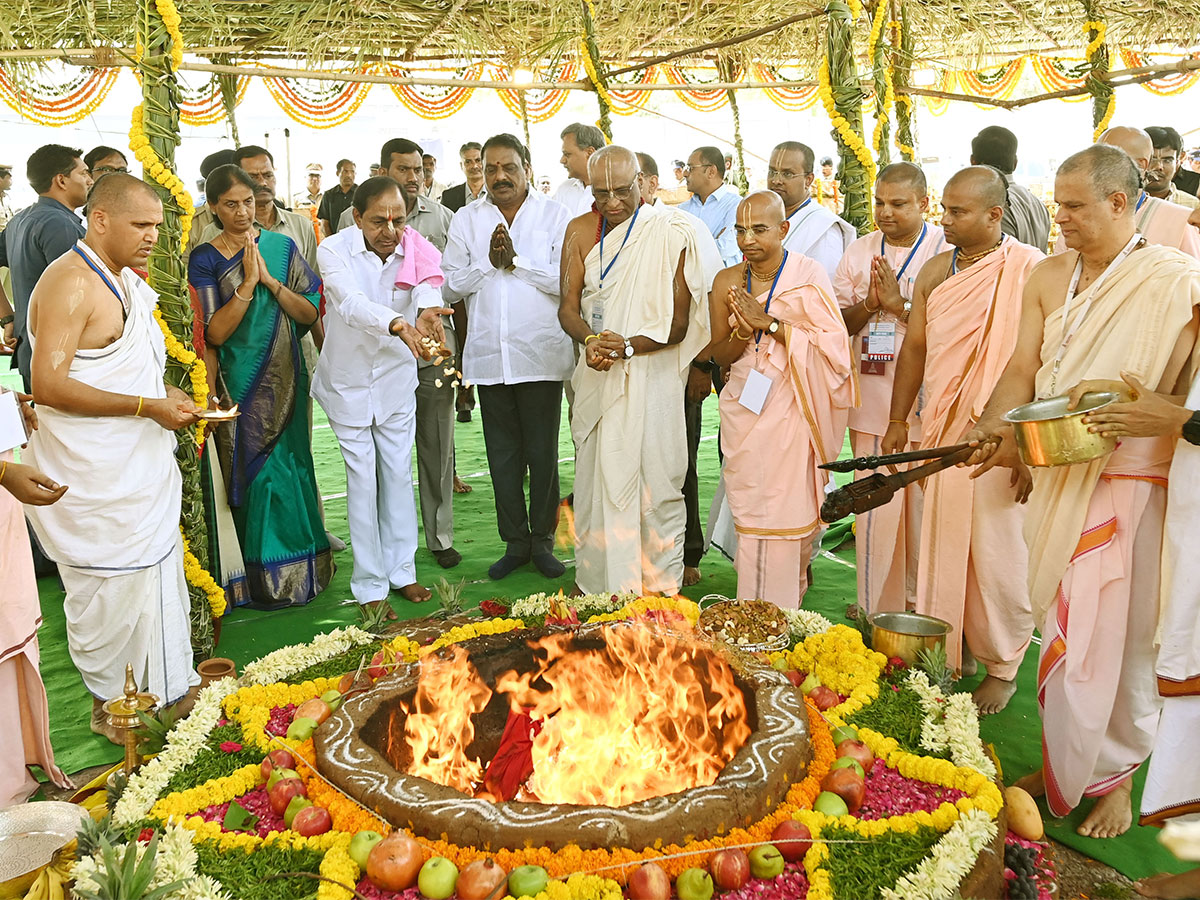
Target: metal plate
[(32, 832), (1056, 407)]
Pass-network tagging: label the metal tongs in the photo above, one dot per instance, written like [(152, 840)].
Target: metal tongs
[(875, 490)]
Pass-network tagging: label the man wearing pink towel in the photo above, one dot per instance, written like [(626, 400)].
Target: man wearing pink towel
[(383, 283)]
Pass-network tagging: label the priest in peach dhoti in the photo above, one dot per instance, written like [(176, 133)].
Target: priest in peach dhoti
[(1113, 305), (783, 411), (962, 330), (874, 286)]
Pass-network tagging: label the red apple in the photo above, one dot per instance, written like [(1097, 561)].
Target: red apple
[(484, 879), (378, 666), (277, 759), (395, 862), (857, 751), (848, 785), (312, 820), (730, 869), (316, 709), (824, 698), (649, 882), (346, 683), (282, 793), (792, 839), (796, 677)]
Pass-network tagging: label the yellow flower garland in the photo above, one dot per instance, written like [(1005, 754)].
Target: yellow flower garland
[(196, 575), (847, 134), (337, 865), (889, 93), (1091, 50)]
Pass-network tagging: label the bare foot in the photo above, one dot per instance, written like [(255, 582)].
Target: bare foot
[(1112, 815), (691, 575), (1034, 785), (183, 706), (970, 665), (100, 724), (1174, 887), (993, 695), (375, 604), (460, 486), (414, 593)]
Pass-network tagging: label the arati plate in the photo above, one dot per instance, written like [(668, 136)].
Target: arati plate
[(32, 832)]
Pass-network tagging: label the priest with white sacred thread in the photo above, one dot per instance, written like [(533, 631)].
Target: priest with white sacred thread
[(106, 426), (634, 297), (813, 231)]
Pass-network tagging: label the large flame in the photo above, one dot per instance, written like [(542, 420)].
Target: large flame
[(438, 727), (644, 714)]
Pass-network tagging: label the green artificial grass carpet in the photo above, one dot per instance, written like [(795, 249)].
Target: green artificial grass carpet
[(247, 634)]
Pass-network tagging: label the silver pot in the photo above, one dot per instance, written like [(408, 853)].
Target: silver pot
[(1048, 434)]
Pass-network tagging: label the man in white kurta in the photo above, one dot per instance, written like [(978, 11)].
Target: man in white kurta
[(378, 274), (634, 298), (106, 427), (813, 230)]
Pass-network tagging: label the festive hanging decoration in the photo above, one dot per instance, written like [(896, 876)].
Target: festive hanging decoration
[(698, 99), (945, 82), (431, 101), (1168, 85), (902, 41), (881, 71), (998, 84), (206, 105), (791, 99), (841, 92), (153, 137), (318, 104), (57, 104), (627, 97), (1104, 101), (1061, 74), (540, 105), (589, 52)]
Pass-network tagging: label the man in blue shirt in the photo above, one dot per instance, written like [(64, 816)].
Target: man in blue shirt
[(40, 234), (713, 201)]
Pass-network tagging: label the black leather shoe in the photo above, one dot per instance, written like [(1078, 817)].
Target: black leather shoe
[(505, 566), (464, 415), (549, 565), (448, 558)]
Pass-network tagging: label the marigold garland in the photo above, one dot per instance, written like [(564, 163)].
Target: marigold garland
[(840, 124), (1168, 85), (76, 102), (196, 575)]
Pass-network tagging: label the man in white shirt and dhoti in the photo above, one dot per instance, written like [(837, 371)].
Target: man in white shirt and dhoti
[(502, 259), (634, 297), (106, 423), (378, 274), (813, 230)]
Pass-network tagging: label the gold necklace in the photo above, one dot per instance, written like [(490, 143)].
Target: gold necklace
[(770, 277), (895, 243), (964, 258)]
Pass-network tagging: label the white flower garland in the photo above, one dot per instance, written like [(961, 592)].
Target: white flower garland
[(184, 744), (950, 724), (175, 861), (287, 661), (804, 624), (938, 875), (539, 604)]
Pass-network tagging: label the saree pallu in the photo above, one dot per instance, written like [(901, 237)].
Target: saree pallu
[(266, 454)]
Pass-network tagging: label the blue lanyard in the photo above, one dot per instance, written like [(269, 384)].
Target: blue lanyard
[(1141, 200), (800, 207), (95, 268), (604, 270), (911, 253), (771, 293)]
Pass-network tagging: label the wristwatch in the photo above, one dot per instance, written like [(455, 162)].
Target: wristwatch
[(773, 327), (907, 311), (1191, 429), (628, 350), (7, 319)]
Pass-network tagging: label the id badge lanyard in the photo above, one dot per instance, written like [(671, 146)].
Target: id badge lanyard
[(597, 318), (771, 293), (911, 253)]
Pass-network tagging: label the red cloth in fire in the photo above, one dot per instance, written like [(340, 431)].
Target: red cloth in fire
[(513, 762)]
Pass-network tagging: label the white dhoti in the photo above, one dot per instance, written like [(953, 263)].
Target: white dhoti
[(138, 617), (115, 533), (379, 502)]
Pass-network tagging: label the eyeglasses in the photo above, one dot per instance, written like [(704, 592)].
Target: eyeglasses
[(785, 174), (688, 169), (5, 173), (759, 230), (621, 193), (110, 170)]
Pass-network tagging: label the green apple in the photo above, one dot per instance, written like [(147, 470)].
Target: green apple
[(847, 762), (437, 878), (360, 847), (766, 861), (294, 806), (812, 681), (780, 664), (694, 884), (527, 881), (844, 733), (830, 804), (280, 774), (333, 698), (301, 729)]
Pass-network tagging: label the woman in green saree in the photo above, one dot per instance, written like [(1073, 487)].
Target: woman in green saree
[(258, 297)]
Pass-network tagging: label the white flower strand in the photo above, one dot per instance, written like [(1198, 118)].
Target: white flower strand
[(938, 876), (950, 724), (287, 661), (803, 623)]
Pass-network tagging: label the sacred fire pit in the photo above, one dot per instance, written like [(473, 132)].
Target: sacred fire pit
[(645, 735)]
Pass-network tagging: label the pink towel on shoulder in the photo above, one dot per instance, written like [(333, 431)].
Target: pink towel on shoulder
[(421, 264)]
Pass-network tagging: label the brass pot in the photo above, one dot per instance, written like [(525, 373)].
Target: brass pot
[(905, 634), (1047, 434)]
